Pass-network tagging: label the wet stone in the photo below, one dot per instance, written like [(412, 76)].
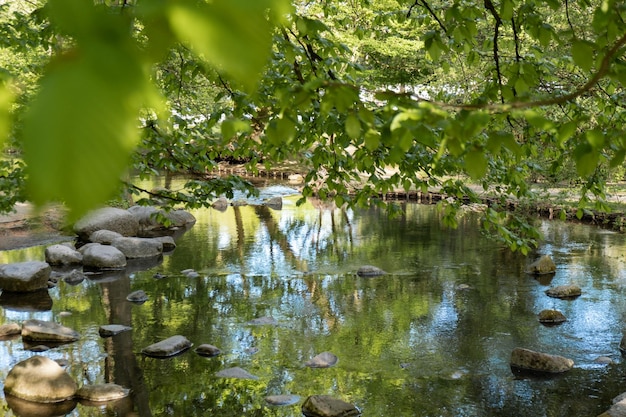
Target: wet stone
[(138, 296), (39, 379), (263, 321), (10, 329), (551, 317), (236, 373), (207, 350), (169, 347), (564, 291), (323, 360), (327, 406), (282, 399), (370, 271), (102, 392), (543, 265), (109, 330), (47, 331), (528, 360)]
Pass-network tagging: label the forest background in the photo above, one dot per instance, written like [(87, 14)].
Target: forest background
[(367, 97)]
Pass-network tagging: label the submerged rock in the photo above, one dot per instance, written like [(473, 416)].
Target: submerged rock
[(207, 350), (24, 276), (327, 406), (102, 392), (529, 360), (237, 373), (543, 265), (282, 399), (564, 291), (551, 317), (263, 321), (138, 296), (39, 379), (370, 271), (275, 203), (221, 204), (47, 331), (323, 360), (150, 219), (168, 347), (109, 330)]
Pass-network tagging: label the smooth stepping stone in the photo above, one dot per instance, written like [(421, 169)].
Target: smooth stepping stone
[(282, 399), (102, 392), (167, 348), (207, 350), (39, 379), (138, 296), (370, 271), (109, 330), (47, 331), (327, 406)]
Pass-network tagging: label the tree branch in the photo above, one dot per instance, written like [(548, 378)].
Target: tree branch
[(430, 11), (496, 31), (504, 107)]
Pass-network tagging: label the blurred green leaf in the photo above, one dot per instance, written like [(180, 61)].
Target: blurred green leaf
[(476, 164), (353, 126), (82, 126)]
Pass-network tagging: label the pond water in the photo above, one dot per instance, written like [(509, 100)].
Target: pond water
[(431, 338)]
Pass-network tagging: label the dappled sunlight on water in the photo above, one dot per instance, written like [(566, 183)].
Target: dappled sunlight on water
[(431, 338)]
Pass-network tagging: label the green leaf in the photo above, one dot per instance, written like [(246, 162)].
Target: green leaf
[(353, 126), (82, 126), (586, 159), (582, 53), (476, 164), (618, 158), (6, 101), (595, 138), (372, 140), (231, 127), (233, 35), (566, 131)]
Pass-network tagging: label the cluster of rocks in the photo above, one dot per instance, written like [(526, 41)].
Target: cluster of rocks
[(313, 406), (108, 239), (528, 362), (34, 383)]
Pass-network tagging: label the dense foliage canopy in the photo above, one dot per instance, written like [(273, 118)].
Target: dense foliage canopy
[(369, 96)]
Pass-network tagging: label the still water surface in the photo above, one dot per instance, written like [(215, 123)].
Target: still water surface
[(432, 338)]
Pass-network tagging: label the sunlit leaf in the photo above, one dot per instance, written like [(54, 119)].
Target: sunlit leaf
[(233, 35), (82, 126), (6, 100), (595, 138)]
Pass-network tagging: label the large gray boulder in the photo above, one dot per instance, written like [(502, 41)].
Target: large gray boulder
[(47, 331), (529, 360), (150, 218), (138, 247), (59, 255), (24, 276), (103, 257), (107, 218), (327, 406), (39, 379)]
